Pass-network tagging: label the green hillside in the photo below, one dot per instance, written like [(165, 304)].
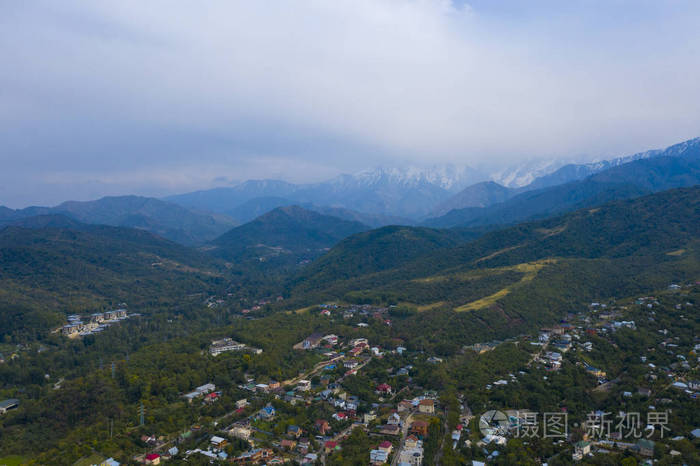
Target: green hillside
[(528, 275), (288, 233), (376, 250), (48, 272)]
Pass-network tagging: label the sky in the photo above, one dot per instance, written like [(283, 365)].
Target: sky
[(167, 96)]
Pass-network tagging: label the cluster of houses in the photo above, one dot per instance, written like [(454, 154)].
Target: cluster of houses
[(228, 344), (356, 311), (206, 391), (93, 323)]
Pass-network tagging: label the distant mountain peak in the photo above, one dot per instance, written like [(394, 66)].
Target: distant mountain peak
[(448, 177)]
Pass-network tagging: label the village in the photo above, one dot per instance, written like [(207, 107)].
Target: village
[(80, 326), (310, 418)]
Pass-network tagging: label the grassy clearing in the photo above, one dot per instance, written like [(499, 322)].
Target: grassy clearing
[(428, 307), (679, 252), (529, 270), (12, 460)]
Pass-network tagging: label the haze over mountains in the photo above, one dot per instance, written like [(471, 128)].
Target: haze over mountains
[(439, 197), (410, 194)]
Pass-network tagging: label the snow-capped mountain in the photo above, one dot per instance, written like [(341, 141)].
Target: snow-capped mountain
[(517, 176), (542, 173), (398, 191), (448, 177), (409, 192)]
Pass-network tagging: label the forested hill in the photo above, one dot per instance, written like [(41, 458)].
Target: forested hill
[(625, 181), (619, 247), (165, 219), (377, 250), (48, 272), (286, 231)]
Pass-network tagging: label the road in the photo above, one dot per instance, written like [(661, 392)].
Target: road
[(404, 434), (307, 375)]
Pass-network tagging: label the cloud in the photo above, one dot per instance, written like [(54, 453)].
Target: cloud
[(229, 88)]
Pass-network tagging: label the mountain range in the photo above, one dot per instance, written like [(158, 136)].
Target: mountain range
[(166, 219), (677, 166), (405, 195), (436, 197), (397, 192)]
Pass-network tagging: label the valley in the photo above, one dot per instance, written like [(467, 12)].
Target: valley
[(307, 338)]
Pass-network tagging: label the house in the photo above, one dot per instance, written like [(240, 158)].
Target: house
[(386, 446), (426, 406), (153, 458), (268, 412), (331, 339), (341, 416), (262, 388), (497, 439), (419, 428), (288, 444), (322, 426), (351, 363), (645, 447), (394, 419), (389, 429), (273, 385), (405, 405), (294, 431), (311, 342), (255, 456), (412, 442), (110, 462), (7, 405), (304, 385), (411, 456), (377, 457), (594, 371), (369, 417), (218, 442), (383, 389), (241, 432), (309, 459), (241, 403), (646, 392), (582, 448), (227, 344)]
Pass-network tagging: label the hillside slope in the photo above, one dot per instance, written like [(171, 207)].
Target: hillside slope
[(625, 181), (376, 250), (289, 231), (164, 219), (529, 275), (46, 272)]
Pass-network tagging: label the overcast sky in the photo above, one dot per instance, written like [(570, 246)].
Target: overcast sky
[(163, 96)]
